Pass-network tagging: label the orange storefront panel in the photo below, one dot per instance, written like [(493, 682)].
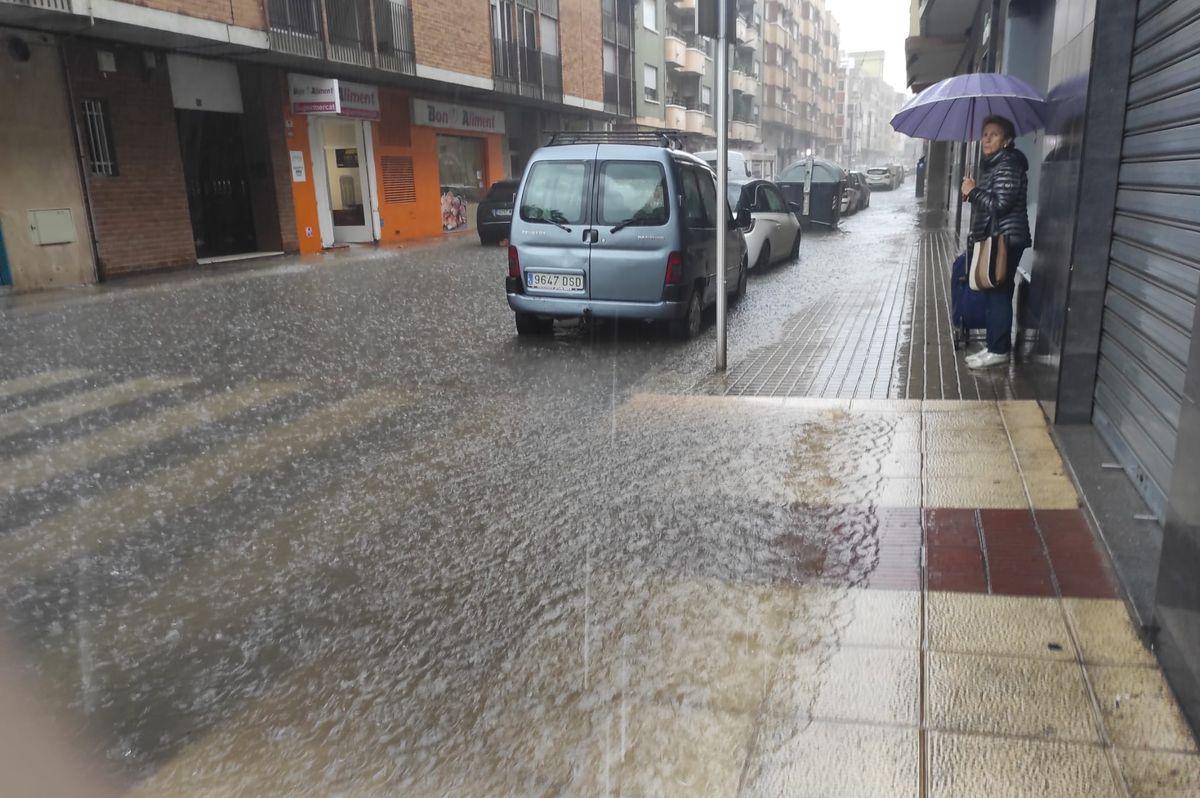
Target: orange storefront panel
[(406, 155)]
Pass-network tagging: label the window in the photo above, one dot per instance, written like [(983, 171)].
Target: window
[(706, 99), (708, 194), (554, 191), (693, 205), (633, 193), (549, 35), (650, 83), (609, 58), (775, 203), (102, 151), (650, 14)]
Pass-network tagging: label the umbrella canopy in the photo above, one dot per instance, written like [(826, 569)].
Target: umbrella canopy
[(954, 109)]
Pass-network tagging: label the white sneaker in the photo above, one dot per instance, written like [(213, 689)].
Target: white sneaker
[(973, 357), (986, 360)]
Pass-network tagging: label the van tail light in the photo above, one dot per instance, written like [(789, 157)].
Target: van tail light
[(750, 227), (674, 269), (514, 263)]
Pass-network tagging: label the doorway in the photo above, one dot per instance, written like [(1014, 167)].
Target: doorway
[(461, 175), (343, 160), (213, 150)]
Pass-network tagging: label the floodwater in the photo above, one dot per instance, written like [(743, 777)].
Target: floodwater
[(329, 527)]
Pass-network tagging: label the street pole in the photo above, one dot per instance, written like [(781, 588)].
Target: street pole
[(722, 171)]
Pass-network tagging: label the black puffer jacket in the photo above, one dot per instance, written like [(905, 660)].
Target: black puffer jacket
[(1000, 195)]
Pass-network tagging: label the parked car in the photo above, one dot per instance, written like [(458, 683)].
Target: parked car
[(880, 178), (864, 190), (813, 187), (852, 195), (774, 230), (619, 226), (493, 217)]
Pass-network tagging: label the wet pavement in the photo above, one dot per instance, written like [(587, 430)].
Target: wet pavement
[(326, 526)]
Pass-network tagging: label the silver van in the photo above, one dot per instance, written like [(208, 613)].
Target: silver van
[(618, 225)]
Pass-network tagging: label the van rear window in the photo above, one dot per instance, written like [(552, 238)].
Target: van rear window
[(555, 190), (633, 193)]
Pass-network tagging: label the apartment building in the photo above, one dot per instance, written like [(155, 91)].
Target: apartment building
[(185, 133), (801, 64), (871, 102)]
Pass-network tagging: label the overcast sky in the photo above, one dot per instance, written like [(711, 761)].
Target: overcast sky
[(875, 25)]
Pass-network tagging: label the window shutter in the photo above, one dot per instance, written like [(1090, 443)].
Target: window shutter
[(399, 185)]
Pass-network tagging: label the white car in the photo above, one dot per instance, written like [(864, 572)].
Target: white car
[(774, 231), (880, 178)]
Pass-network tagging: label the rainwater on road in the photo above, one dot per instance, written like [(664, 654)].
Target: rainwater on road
[(328, 527)]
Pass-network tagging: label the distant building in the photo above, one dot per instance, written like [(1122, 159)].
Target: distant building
[(871, 102)]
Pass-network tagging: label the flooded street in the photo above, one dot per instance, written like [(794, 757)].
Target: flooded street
[(330, 528)]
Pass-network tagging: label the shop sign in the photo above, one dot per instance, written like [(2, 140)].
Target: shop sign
[(358, 100), (311, 95), (457, 117)]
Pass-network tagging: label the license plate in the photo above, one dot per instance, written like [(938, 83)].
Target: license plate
[(554, 282), (505, 212)]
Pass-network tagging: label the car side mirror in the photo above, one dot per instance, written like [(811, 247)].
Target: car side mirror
[(743, 217), (796, 208)]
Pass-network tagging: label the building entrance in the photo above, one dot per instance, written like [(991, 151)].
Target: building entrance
[(342, 161), (214, 168)]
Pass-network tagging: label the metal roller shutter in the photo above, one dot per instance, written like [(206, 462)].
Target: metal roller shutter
[(1154, 265)]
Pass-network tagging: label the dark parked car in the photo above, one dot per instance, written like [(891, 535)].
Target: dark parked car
[(494, 216), (859, 181), (818, 181)]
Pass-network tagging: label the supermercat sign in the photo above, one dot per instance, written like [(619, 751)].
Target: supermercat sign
[(313, 95), (457, 117)]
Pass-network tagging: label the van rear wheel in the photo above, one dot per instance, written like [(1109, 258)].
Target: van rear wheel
[(688, 327), (529, 324)]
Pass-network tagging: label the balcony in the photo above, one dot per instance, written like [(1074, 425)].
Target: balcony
[(776, 34), (366, 33), (676, 116), (742, 83), (737, 131), (775, 76), (693, 61), (695, 121), (674, 51), (526, 72)]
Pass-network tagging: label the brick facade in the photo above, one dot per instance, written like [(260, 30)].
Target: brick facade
[(456, 38), (581, 43), (247, 13), (141, 214)]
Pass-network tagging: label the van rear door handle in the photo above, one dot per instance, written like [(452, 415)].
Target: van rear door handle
[(591, 236)]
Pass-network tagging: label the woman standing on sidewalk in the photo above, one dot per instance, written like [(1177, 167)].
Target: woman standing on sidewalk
[(998, 207)]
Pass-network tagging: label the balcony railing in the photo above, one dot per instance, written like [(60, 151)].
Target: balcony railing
[(368, 33), (43, 5), (526, 71)]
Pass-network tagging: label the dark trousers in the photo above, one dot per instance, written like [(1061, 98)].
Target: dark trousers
[(999, 308)]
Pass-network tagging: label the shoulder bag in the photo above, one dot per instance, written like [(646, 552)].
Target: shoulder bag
[(989, 262)]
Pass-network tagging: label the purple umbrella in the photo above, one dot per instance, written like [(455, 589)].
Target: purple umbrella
[(954, 109)]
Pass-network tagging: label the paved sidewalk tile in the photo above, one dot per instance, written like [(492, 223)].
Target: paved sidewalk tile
[(1139, 710), (966, 766), (999, 625), (1043, 699), (1154, 774), (834, 760)]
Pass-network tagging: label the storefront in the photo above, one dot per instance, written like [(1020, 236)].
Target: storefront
[(331, 141), (375, 164)]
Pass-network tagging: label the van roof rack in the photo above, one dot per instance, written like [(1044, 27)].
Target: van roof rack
[(671, 139)]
